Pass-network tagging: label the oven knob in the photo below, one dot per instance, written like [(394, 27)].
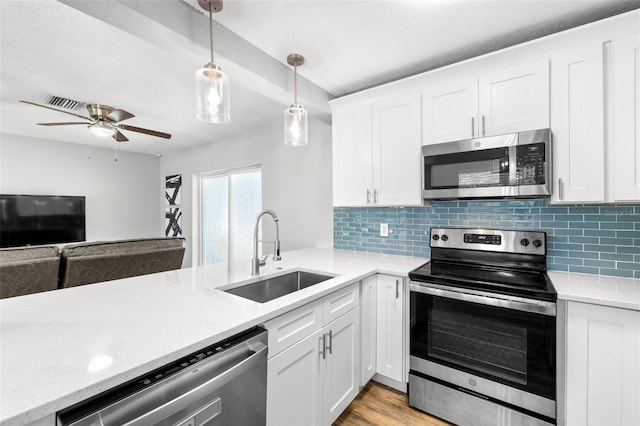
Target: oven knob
[(472, 382), (524, 242), (435, 237), (444, 237), (537, 243)]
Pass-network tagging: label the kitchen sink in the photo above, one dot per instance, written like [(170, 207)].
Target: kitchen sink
[(271, 288)]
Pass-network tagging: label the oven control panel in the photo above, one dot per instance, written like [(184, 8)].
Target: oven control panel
[(496, 240)]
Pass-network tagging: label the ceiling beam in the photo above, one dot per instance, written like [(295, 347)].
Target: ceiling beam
[(184, 31)]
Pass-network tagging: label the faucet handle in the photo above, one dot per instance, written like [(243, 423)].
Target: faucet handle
[(263, 261)]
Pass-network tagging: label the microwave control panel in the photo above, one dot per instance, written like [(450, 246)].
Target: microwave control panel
[(531, 164)]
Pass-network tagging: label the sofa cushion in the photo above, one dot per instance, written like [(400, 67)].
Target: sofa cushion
[(15, 254), (122, 246)]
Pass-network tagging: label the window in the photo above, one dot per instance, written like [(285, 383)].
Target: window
[(229, 202)]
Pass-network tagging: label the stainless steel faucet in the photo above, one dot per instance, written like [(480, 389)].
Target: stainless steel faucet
[(256, 262)]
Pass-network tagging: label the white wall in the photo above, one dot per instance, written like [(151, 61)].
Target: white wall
[(123, 199), (296, 182)]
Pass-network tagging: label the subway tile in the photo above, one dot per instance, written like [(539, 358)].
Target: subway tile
[(584, 210), (560, 246), (617, 256), (600, 263), (546, 224), (574, 232), (628, 234), (584, 255), (555, 210), (628, 218), (557, 253), (583, 269), (634, 266), (568, 217), (585, 240), (599, 218), (585, 225), (558, 267), (628, 250), (568, 261), (600, 248), (599, 233), (618, 272), (616, 225), (636, 274), (617, 241)]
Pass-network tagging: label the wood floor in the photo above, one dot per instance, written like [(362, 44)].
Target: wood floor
[(380, 405)]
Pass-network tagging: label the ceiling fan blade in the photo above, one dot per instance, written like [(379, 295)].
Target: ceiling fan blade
[(62, 124), (56, 109), (118, 136), (145, 131), (119, 115)]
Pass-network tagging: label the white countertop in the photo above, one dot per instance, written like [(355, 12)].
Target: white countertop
[(61, 347), (597, 289)]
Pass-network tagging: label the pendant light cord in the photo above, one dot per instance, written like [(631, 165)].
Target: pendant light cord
[(211, 32)]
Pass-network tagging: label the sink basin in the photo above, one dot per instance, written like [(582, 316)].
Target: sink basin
[(272, 288)]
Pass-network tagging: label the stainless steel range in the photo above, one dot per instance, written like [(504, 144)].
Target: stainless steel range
[(483, 329)]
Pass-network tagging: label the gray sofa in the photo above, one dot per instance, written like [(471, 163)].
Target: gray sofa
[(26, 270), (88, 263)]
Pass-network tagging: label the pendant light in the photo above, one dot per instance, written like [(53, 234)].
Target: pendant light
[(295, 116), (213, 97)]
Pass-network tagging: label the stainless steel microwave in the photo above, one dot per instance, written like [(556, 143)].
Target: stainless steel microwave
[(504, 166)]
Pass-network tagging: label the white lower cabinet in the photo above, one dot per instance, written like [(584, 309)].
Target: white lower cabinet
[(368, 303), (390, 329), (602, 365), (311, 381)]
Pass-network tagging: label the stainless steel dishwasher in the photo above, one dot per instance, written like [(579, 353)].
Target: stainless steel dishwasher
[(222, 384)]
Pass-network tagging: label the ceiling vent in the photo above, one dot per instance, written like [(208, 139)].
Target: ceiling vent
[(60, 102)]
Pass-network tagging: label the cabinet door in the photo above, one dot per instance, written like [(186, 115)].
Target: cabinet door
[(352, 173), (514, 99), (342, 364), (390, 327), (396, 151), (368, 322), (626, 117), (577, 122), (449, 112), (603, 365), (294, 384)]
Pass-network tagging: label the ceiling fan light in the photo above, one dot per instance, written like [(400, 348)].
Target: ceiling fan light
[(213, 94), (101, 130), (295, 126)]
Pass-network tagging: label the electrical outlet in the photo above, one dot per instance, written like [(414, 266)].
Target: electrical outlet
[(384, 229)]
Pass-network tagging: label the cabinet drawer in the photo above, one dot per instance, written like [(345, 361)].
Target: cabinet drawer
[(294, 326), (340, 302)]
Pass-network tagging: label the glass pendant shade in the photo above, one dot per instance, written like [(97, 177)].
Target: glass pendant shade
[(295, 126), (213, 95)]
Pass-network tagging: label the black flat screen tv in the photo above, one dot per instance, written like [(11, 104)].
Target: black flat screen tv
[(41, 219)]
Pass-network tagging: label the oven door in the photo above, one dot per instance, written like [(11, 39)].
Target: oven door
[(502, 348)]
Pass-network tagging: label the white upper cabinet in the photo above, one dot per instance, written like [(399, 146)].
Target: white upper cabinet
[(376, 153), (511, 99), (449, 111), (625, 103), (514, 99), (577, 122), (396, 151), (352, 157)]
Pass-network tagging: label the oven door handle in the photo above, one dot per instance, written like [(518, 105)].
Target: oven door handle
[(533, 306)]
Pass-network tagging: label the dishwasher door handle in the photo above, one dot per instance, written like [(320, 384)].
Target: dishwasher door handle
[(165, 410)]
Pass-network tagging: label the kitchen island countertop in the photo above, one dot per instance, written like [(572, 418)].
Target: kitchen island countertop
[(61, 347)]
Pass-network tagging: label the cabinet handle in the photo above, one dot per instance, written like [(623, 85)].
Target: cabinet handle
[(560, 195), (375, 196), (484, 133), (330, 347), (473, 125), (324, 346), (368, 196), (397, 288)]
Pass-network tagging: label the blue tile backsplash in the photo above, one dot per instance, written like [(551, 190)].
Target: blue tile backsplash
[(594, 239)]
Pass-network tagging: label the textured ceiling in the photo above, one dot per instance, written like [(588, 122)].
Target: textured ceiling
[(49, 47)]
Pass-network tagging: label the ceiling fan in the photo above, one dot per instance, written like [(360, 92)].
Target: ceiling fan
[(103, 121)]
